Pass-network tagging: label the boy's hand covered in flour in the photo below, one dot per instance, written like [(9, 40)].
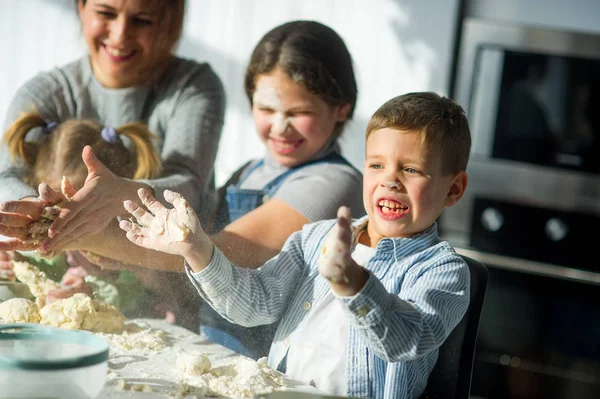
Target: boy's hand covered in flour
[(336, 263), (175, 231)]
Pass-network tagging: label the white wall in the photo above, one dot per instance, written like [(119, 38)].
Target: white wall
[(397, 45)]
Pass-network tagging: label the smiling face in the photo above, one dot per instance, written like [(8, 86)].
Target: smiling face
[(404, 187), (120, 36), (293, 123)]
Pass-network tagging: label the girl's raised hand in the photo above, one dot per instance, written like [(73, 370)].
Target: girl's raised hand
[(175, 231)]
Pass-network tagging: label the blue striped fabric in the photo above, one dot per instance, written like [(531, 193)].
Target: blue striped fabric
[(417, 291)]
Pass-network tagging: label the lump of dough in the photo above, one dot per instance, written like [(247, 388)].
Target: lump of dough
[(19, 310), (36, 280), (109, 319), (38, 230), (193, 363), (80, 312)]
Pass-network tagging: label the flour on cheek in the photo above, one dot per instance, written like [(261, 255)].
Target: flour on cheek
[(268, 97)]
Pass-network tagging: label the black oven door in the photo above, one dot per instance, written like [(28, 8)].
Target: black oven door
[(539, 338)]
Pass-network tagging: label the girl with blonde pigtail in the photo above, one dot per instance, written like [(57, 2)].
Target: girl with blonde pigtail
[(57, 150), (52, 154)]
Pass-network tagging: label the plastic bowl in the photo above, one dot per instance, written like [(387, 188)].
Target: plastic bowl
[(46, 362)]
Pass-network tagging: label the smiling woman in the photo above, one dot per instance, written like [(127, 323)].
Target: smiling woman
[(129, 40), (130, 74)]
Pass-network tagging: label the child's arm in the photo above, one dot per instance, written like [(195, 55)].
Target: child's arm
[(405, 326), (243, 296)]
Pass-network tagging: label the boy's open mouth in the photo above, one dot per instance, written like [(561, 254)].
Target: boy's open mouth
[(391, 208)]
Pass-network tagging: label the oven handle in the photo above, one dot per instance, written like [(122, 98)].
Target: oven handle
[(531, 267)]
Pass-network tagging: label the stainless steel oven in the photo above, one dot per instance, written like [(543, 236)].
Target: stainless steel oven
[(532, 207)]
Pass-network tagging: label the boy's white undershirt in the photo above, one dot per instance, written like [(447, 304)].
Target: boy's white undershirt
[(319, 347)]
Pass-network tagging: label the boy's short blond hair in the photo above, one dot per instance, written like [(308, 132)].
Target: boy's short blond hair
[(440, 122)]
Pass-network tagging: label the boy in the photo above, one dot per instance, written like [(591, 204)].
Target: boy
[(392, 290)]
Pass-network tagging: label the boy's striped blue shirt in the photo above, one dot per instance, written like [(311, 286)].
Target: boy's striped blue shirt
[(417, 291)]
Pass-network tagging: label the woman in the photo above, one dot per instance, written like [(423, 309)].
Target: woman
[(130, 74)]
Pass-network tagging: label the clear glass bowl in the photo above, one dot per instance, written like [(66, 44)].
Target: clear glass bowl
[(41, 361)]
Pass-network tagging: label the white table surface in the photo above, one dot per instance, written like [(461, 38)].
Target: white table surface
[(158, 369)]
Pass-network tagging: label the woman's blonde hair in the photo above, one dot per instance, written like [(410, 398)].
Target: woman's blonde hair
[(59, 154)]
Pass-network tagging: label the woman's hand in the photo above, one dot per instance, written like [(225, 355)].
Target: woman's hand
[(73, 280), (336, 264), (72, 283), (92, 208), (175, 231), (17, 216)]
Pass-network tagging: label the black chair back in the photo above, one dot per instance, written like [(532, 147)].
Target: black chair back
[(451, 376)]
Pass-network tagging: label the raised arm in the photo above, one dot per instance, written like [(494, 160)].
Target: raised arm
[(260, 296), (404, 326)]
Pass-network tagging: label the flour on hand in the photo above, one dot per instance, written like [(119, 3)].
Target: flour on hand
[(173, 226), (335, 251)]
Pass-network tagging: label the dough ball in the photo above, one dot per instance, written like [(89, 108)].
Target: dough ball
[(109, 319), (80, 312), (193, 364), (39, 284), (19, 310)]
